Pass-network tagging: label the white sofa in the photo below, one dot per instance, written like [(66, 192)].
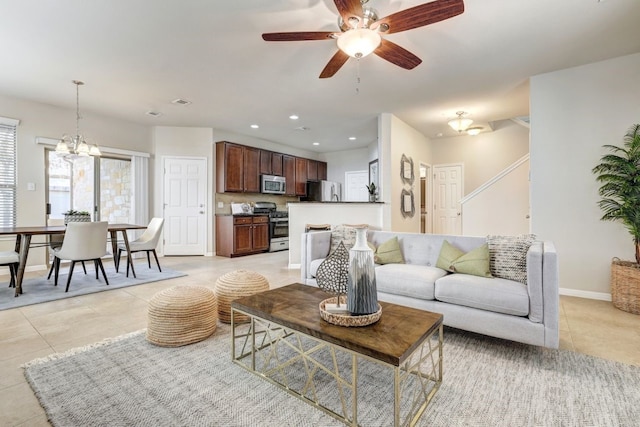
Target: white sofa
[(492, 306)]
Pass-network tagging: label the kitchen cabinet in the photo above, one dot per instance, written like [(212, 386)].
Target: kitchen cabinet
[(266, 164), (237, 168), (289, 172), (276, 164), (322, 171), (241, 235), (312, 170), (251, 169), (301, 176), (229, 167)]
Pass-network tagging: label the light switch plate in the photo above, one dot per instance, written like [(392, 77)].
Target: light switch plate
[(31, 186), (220, 205)]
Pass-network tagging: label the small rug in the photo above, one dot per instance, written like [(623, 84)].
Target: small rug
[(487, 382), (39, 289)]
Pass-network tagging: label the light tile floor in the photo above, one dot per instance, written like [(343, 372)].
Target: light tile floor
[(587, 326)]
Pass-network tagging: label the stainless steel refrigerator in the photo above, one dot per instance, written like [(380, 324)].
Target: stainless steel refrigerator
[(324, 191)]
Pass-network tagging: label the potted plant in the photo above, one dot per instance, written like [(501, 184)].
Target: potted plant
[(73, 215), (619, 173), (373, 192)]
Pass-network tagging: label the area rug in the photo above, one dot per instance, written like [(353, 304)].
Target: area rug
[(39, 289), (487, 382)]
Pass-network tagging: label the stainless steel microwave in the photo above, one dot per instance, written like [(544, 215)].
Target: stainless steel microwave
[(273, 184)]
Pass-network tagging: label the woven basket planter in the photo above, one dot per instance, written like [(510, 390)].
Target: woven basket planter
[(76, 218), (625, 285), (236, 284), (182, 315)]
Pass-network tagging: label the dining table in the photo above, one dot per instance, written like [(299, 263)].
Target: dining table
[(25, 234)]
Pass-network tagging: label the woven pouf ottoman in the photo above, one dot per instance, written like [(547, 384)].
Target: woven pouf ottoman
[(182, 315), (236, 284)]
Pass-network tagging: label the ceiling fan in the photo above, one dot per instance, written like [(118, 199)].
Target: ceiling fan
[(361, 32)]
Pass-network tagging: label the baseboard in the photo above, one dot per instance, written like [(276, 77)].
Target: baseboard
[(294, 266), (602, 296)]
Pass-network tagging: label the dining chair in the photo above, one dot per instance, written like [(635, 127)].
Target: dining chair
[(55, 241), (145, 243), (10, 259), (83, 241)]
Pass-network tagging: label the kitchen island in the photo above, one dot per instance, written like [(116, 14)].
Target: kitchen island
[(333, 213)]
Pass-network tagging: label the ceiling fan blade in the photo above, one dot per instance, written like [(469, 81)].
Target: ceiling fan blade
[(349, 8), (397, 55), (419, 16), (297, 36), (334, 64)]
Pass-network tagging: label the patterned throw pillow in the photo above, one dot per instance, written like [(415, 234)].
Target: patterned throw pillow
[(508, 256)]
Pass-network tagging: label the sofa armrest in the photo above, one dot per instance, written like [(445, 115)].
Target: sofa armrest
[(313, 245), (551, 295), (535, 282)]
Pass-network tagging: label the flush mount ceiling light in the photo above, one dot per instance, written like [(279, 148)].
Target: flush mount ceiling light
[(76, 146), (460, 124)]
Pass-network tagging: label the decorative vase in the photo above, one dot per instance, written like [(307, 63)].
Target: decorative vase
[(362, 295), (372, 197)]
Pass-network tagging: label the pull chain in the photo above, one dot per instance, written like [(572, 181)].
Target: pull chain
[(357, 76)]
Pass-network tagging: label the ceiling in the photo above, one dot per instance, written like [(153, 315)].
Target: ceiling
[(139, 55)]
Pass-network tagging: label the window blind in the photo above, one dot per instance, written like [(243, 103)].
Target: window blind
[(8, 148)]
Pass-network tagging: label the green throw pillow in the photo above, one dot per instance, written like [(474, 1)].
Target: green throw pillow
[(448, 254), (389, 253), (475, 262)]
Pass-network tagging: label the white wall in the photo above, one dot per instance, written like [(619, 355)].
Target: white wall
[(339, 162), (44, 120), (500, 208), (573, 113), (484, 155), (398, 138)]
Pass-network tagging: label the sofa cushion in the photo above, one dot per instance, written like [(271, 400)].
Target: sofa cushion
[(492, 294), (389, 252), (508, 256), (416, 281)]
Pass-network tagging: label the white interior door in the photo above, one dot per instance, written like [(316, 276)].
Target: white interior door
[(447, 188), (356, 186), (185, 210)]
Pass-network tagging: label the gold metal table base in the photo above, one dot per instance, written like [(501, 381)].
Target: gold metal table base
[(326, 376)]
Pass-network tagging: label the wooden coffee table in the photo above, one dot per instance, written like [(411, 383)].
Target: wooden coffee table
[(287, 343)]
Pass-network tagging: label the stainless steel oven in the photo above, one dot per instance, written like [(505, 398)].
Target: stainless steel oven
[(278, 225)]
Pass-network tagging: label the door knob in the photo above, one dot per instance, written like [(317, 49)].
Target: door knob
[(201, 212)]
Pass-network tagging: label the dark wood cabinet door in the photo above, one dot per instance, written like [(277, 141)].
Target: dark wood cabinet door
[(242, 238), (251, 170), (312, 170), (322, 171), (301, 176), (289, 172), (233, 161), (276, 164), (265, 162), (261, 236)]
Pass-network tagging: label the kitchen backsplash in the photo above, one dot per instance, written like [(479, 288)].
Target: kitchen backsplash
[(228, 198)]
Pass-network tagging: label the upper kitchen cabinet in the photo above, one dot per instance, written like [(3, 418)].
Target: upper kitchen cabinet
[(266, 165), (322, 171), (276, 164), (229, 167), (301, 176), (237, 168), (289, 172), (312, 170)]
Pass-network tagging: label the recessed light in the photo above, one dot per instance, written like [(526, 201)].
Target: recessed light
[(316, 143), (254, 126), (294, 117), (352, 138)]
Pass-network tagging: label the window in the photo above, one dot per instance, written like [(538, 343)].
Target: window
[(8, 148)]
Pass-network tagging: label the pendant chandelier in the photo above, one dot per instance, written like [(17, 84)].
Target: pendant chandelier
[(461, 123), (76, 145)]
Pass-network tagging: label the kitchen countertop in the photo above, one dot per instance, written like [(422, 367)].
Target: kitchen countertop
[(341, 203), (242, 214)]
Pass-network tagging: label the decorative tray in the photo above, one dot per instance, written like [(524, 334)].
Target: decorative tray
[(347, 319)]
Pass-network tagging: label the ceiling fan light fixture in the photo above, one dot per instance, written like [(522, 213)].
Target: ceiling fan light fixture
[(359, 43), (460, 124)]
